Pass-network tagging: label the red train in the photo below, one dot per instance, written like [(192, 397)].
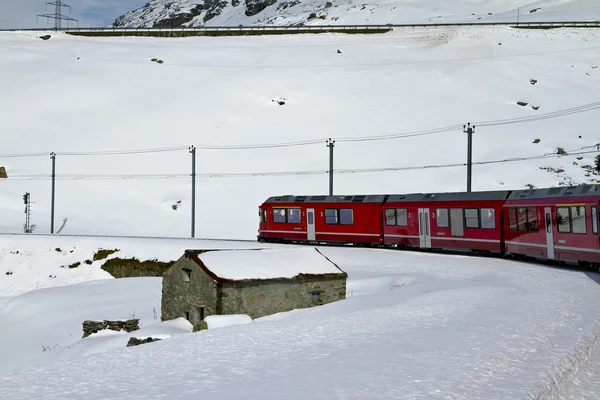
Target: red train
[(559, 223)]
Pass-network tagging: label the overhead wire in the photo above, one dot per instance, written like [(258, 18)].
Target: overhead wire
[(450, 128), (576, 152)]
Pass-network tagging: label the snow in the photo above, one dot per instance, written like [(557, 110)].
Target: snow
[(345, 12), (267, 264), (220, 92), (413, 325), (220, 321), (34, 262)]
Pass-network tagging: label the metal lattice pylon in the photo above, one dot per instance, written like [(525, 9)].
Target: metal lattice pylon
[(58, 16)]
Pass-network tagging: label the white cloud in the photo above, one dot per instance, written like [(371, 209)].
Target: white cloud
[(23, 13)]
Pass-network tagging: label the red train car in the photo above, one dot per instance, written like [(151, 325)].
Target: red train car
[(467, 221), (554, 223), (335, 219)]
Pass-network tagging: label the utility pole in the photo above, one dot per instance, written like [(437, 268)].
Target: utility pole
[(330, 144), (53, 157), (27, 201), (58, 16), (193, 151), (468, 129)]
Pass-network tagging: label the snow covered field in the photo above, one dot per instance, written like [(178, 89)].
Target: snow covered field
[(413, 326), (86, 95)]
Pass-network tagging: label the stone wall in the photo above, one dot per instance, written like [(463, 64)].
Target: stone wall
[(180, 296), (270, 297), (134, 268), (90, 327)]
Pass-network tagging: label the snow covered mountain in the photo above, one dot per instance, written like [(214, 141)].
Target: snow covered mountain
[(193, 13)]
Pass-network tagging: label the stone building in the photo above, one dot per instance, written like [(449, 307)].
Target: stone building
[(253, 282)]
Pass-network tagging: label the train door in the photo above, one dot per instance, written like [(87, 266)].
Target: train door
[(424, 229), (310, 224), (549, 232)]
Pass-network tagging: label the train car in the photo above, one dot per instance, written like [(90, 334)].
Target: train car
[(558, 223), (313, 219), (465, 221)]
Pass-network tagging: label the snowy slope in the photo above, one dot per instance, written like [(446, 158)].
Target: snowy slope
[(169, 13), (74, 94), (413, 326)]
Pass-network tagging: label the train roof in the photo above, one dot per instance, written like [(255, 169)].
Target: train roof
[(371, 198), (451, 196), (554, 192)]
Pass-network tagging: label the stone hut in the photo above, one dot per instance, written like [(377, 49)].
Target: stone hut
[(253, 282)]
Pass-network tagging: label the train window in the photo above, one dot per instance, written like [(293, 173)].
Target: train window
[(522, 218), (472, 218), (457, 222), (331, 216), (293, 216), (441, 217), (390, 217), (264, 215), (310, 218), (532, 220), (563, 220), (594, 220), (488, 218), (512, 219), (578, 219), (279, 215), (346, 216), (401, 217)]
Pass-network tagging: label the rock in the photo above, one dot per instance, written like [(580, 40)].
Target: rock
[(136, 342), (312, 16), (522, 103), (3, 173), (90, 327), (328, 4), (200, 326), (45, 37), (533, 81), (253, 7), (339, 52)]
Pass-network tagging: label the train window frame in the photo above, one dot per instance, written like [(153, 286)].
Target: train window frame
[(296, 219), (276, 214), (342, 217), (594, 220), (513, 223), (401, 220), (522, 226), (445, 220), (390, 217), (335, 212), (532, 227), (490, 221), (583, 218), (470, 219), (559, 222)]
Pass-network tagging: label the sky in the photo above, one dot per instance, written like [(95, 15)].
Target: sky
[(90, 13)]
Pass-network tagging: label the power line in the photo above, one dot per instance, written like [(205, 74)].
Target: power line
[(58, 16), (450, 128), (575, 152)]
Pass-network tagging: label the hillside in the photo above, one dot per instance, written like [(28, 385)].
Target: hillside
[(79, 96), (190, 13)]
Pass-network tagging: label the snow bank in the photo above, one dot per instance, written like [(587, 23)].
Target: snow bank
[(268, 264), (219, 321)]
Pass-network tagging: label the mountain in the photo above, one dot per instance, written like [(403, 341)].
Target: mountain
[(195, 13)]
